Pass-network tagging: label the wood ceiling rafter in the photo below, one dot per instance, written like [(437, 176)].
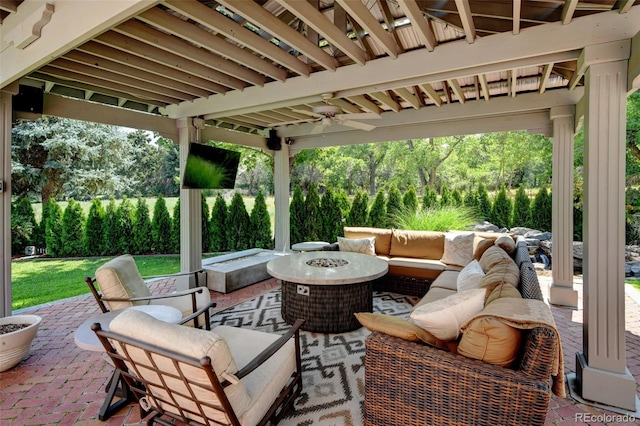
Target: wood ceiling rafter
[(424, 31), (359, 12)]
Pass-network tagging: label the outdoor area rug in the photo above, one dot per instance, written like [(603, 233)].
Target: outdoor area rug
[(332, 364)]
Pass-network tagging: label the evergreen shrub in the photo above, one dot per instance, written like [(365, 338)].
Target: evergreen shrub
[(260, 224), (358, 213), (218, 225), (297, 216), (238, 225), (94, 229), (142, 241), (378, 212), (502, 209), (161, 227), (73, 221)]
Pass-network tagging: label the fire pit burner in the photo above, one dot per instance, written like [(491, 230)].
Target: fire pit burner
[(324, 262)]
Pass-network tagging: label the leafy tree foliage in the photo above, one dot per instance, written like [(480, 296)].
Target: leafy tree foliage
[(142, 240), (430, 198), (456, 198), (94, 229), (521, 208), (313, 220), (359, 211), (204, 209), (53, 234), (161, 227), (502, 209), (111, 233), (446, 199), (394, 205), (260, 224), (541, 210), (73, 229), (378, 212), (218, 225), (297, 216), (238, 225), (410, 199), (23, 225), (126, 219), (470, 200), (343, 202), (175, 228), (484, 204), (332, 226)]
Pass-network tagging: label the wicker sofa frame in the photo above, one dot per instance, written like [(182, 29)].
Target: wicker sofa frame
[(409, 383)]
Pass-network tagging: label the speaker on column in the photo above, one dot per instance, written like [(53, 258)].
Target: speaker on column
[(273, 142), (28, 99)]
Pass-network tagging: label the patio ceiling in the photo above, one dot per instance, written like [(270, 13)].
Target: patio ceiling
[(250, 66)]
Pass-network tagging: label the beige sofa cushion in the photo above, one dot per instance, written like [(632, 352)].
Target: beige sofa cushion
[(481, 245), (383, 236), (358, 245), (492, 256), (397, 327), (447, 279), (434, 293), (507, 244), (504, 271), (458, 248), (503, 290), (420, 244)]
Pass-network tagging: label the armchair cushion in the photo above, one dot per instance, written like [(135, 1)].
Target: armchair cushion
[(119, 278)]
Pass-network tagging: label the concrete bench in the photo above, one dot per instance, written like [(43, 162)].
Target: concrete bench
[(233, 271)]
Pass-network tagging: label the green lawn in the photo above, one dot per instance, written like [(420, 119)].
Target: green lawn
[(635, 283), (39, 281)]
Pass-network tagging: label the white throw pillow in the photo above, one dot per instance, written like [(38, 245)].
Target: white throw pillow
[(470, 276), (443, 317), (360, 245), (458, 249)]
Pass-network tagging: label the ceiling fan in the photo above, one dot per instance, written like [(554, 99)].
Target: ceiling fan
[(327, 114)]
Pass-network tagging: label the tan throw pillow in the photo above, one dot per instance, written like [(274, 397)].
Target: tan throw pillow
[(470, 276), (443, 317), (458, 249), (502, 272), (490, 340), (481, 247), (492, 256), (360, 245), (382, 236), (507, 244), (503, 290), (397, 327)]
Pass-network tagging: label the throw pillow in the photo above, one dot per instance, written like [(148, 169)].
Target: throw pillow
[(502, 290), (360, 245), (458, 249), (397, 327), (506, 243), (481, 247), (470, 276), (490, 340), (443, 317)]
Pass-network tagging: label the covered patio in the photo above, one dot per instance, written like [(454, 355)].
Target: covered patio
[(254, 73)]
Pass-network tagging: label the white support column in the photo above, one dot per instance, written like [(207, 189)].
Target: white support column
[(561, 291), (602, 374), (281, 182), (190, 211), (5, 203)]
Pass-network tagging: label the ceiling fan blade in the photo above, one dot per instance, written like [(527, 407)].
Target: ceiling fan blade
[(307, 112), (359, 116), (318, 128), (357, 125)]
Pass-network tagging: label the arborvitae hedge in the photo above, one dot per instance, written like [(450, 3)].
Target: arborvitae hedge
[(218, 225), (358, 213), (126, 217), (541, 211), (342, 200), (94, 229), (161, 227), (484, 204), (238, 224), (111, 230), (378, 212), (410, 199), (470, 199), (313, 220), (24, 227), (73, 229), (521, 208), (445, 197), (175, 228), (297, 216), (332, 226), (502, 209), (204, 210), (260, 224), (142, 241), (456, 198), (430, 198), (394, 206), (53, 235)]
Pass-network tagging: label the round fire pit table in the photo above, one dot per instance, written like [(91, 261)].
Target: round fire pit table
[(326, 288)]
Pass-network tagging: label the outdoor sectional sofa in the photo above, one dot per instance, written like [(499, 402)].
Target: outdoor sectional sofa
[(501, 368)]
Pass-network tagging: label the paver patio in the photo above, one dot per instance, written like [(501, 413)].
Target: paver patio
[(61, 384)]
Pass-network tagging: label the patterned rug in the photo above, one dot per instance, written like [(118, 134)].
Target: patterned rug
[(332, 364)]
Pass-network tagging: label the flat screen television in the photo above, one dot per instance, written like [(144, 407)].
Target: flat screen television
[(209, 167)]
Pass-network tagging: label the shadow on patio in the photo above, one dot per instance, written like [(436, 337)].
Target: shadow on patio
[(58, 383)]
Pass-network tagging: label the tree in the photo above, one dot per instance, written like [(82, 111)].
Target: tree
[(161, 227), (239, 224), (394, 205), (142, 240), (175, 228), (73, 221), (410, 199), (470, 200), (53, 235), (313, 220), (502, 209), (541, 211), (430, 198), (94, 229), (484, 204), (204, 210), (260, 224), (359, 212), (445, 197), (521, 208), (218, 225), (456, 198), (331, 218), (23, 225), (297, 216), (111, 230), (378, 212), (342, 200), (126, 218)]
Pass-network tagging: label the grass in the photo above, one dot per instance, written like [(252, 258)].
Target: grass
[(635, 283), (440, 219), (39, 281)]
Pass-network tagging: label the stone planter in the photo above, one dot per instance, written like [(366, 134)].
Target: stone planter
[(14, 346)]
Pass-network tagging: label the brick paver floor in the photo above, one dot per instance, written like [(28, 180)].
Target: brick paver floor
[(60, 384)]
